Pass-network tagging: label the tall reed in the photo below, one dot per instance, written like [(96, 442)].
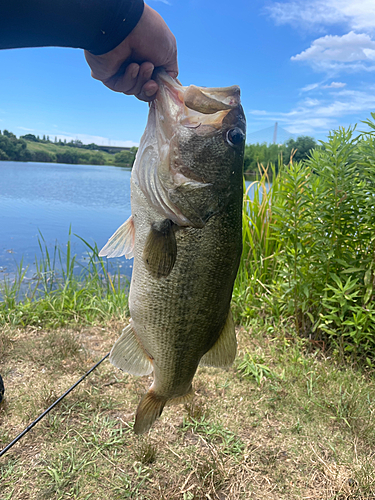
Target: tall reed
[(258, 264), (63, 290)]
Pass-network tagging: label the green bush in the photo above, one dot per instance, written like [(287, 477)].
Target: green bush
[(321, 228), (43, 156), (12, 148), (124, 158)]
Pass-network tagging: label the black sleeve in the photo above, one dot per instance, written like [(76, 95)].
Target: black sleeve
[(95, 25)]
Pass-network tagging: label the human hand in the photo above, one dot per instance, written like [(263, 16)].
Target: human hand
[(128, 67)]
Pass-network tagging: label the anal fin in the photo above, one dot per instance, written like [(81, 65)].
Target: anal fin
[(223, 352), (129, 355), (186, 398), (160, 250), (121, 242)]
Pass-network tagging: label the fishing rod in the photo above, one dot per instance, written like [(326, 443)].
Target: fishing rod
[(29, 427)]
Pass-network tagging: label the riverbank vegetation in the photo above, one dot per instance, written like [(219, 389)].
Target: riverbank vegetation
[(34, 149), (63, 291), (267, 154), (309, 246), (293, 418)]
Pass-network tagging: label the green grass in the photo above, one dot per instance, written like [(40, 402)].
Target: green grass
[(259, 264), (306, 432), (63, 291), (51, 148)]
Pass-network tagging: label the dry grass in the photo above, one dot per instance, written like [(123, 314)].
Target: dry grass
[(289, 424)]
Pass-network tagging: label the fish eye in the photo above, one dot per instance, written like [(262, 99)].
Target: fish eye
[(235, 136)]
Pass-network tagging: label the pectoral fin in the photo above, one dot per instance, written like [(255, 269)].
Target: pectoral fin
[(121, 242), (160, 250), (129, 355), (223, 352)]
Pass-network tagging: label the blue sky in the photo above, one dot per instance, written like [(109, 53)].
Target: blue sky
[(309, 65)]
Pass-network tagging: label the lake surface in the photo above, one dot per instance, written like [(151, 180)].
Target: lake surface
[(49, 198)]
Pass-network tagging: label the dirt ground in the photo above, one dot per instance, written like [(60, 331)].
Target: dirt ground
[(285, 422)]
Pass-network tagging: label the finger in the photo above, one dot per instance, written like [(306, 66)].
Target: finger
[(172, 69), (148, 92), (124, 82), (145, 72), (173, 74)]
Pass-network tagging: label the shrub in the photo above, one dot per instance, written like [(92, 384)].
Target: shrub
[(321, 223)]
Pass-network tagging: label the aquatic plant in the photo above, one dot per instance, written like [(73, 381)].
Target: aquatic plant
[(63, 290)]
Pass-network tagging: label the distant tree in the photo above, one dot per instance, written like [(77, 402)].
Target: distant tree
[(43, 156), (55, 140), (12, 148), (47, 138), (69, 156), (303, 146), (261, 154), (29, 137), (44, 137), (3, 155), (97, 158), (124, 158)]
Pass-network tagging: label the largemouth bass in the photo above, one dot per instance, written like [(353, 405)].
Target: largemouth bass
[(185, 234)]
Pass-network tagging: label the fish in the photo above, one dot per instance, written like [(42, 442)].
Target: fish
[(185, 234)]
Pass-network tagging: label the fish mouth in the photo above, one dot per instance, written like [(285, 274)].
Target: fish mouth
[(200, 108)]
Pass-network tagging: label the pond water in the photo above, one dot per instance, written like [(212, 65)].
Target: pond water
[(48, 199)]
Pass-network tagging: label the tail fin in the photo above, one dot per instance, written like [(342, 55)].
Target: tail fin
[(149, 409)]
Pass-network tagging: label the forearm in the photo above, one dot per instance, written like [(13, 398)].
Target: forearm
[(95, 25)]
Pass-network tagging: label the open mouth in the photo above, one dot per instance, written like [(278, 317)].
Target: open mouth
[(194, 106)]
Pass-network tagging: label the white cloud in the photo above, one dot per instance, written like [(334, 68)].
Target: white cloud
[(311, 102), (318, 13), (309, 15), (85, 138), (27, 129), (347, 48), (370, 53), (334, 85), (333, 52), (316, 116), (88, 139), (258, 112), (310, 87)]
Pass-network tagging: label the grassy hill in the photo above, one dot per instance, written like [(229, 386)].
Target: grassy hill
[(58, 153), (31, 148)]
